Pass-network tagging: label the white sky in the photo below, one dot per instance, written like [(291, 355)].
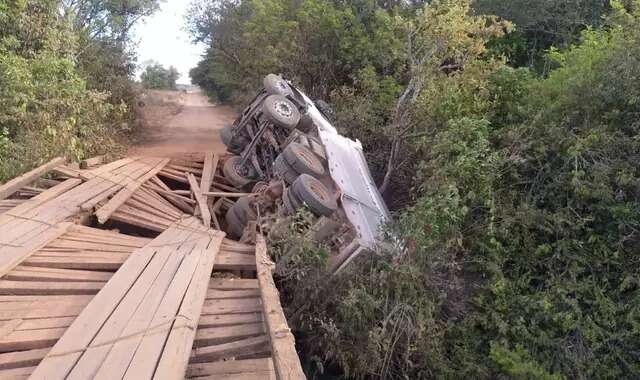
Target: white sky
[(163, 38)]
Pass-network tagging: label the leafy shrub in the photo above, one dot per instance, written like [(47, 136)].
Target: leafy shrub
[(48, 109)]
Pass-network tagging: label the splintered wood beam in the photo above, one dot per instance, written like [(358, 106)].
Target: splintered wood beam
[(17, 183), (202, 202), (283, 350), (210, 166), (105, 212)]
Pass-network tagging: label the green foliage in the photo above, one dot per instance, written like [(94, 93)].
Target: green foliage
[(515, 249), (157, 77), (542, 24), (49, 107), (317, 43)]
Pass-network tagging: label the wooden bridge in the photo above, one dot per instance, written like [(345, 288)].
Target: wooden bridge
[(112, 271)]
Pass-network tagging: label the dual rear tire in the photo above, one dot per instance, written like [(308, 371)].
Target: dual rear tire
[(308, 191)]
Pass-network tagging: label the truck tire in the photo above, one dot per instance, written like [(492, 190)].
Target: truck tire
[(280, 111), (303, 160), (295, 201), (238, 176), (226, 133), (244, 211), (315, 195), (284, 170), (275, 85), (234, 226)]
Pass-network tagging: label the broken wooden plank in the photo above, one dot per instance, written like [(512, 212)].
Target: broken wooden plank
[(15, 184), (123, 195), (210, 166), (202, 202)]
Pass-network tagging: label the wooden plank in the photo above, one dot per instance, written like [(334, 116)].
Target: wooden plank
[(93, 161), (247, 346), (143, 363), (283, 348), (219, 335), (202, 201), (224, 294), (175, 356), (83, 330), (235, 261), (15, 184), (46, 323), (49, 287), (26, 273), (22, 359), (210, 166), (130, 316), (233, 283), (230, 367), (68, 310), (30, 339), (231, 306), (226, 194), (47, 298), (10, 260), (123, 195), (8, 327), (83, 263), (66, 171), (229, 319), (16, 373), (263, 375)]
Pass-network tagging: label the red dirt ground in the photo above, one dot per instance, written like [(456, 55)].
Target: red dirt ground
[(175, 122)]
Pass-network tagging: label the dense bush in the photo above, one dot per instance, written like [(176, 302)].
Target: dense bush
[(519, 199), (65, 84)]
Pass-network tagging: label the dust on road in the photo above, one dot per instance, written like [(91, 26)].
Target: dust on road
[(175, 122)]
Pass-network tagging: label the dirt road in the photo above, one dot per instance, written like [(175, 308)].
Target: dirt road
[(180, 122)]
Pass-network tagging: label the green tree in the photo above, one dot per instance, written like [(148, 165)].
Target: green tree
[(47, 107), (541, 24), (157, 77)]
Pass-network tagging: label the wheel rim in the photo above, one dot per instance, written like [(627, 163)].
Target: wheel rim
[(241, 170), (318, 191), (308, 158), (283, 109)]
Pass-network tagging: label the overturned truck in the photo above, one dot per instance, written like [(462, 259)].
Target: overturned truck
[(288, 156)]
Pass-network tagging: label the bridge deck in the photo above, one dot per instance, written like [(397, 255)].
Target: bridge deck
[(151, 293)]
